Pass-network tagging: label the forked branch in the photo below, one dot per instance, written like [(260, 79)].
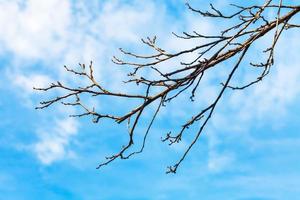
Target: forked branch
[(232, 42)]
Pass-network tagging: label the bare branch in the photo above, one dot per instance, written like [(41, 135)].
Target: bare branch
[(233, 42)]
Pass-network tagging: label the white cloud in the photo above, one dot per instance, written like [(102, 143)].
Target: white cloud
[(272, 97), (219, 162), (54, 142), (122, 22), (268, 102), (22, 85), (34, 29), (52, 33), (26, 83), (64, 32)]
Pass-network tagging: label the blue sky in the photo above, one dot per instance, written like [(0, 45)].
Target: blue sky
[(249, 150)]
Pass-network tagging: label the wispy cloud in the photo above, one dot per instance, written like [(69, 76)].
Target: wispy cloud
[(54, 141), (46, 35), (39, 29), (26, 83)]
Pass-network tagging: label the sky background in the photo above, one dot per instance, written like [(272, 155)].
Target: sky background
[(249, 150)]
